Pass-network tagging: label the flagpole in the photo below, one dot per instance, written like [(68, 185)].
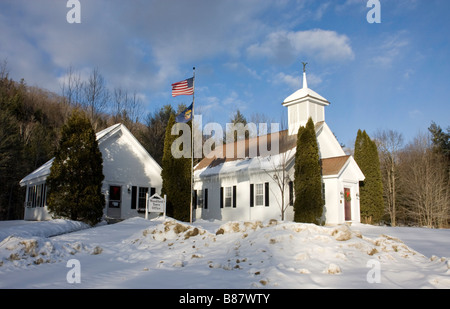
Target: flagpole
[(192, 148)]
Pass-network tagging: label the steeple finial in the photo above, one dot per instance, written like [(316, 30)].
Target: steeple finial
[(305, 83)]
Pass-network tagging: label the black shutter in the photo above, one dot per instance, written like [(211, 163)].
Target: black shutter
[(266, 194), (234, 196), (194, 200), (291, 193), (152, 191), (221, 197), (133, 197), (205, 199), (251, 195)]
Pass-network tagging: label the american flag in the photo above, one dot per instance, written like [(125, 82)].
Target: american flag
[(185, 87)]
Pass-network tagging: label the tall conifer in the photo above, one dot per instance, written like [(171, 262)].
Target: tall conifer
[(309, 199), (76, 175), (371, 190), (176, 177)]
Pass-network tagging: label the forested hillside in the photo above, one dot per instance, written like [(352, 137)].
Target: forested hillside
[(31, 120)]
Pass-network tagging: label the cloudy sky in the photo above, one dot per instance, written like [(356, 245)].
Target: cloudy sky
[(247, 54)]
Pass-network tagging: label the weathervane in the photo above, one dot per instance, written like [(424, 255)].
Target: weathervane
[(304, 66)]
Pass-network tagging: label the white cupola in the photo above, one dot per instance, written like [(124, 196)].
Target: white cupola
[(302, 104)]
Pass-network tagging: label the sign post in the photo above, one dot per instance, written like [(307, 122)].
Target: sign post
[(146, 206), (156, 204)]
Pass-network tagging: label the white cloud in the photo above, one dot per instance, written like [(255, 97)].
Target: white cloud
[(321, 10), (145, 42), (391, 49), (287, 46), (144, 46)]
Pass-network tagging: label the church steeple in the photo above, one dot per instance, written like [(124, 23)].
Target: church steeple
[(305, 83), (303, 104)]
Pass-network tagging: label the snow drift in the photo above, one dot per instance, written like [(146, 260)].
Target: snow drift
[(138, 253)]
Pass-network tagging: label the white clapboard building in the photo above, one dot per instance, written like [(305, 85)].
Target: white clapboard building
[(130, 173), (248, 187)]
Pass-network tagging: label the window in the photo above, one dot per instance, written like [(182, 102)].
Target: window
[(259, 194), (115, 193), (37, 196), (138, 196), (142, 197), (228, 197)]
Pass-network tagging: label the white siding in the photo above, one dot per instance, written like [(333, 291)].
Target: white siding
[(125, 163), (328, 144)]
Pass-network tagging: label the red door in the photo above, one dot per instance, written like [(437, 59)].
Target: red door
[(347, 204)]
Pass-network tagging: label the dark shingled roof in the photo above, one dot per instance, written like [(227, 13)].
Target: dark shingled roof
[(330, 166)]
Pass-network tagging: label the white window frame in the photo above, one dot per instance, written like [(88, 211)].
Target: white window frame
[(142, 197), (259, 194), (228, 197)]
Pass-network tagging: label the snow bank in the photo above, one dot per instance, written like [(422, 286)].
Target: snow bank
[(24, 243), (51, 228), (138, 253), (23, 252), (278, 255)]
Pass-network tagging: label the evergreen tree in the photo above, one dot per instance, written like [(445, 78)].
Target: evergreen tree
[(154, 132), (441, 141), (10, 168), (237, 120), (371, 190), (309, 200), (176, 177), (76, 175)]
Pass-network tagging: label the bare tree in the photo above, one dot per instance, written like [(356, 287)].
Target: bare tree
[(258, 118), (280, 164), (72, 89), (4, 71), (389, 144), (427, 189), (126, 108), (134, 109), (119, 101), (96, 96)]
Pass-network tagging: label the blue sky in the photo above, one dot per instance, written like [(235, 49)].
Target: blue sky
[(247, 53)]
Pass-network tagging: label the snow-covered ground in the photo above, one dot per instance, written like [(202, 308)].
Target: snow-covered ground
[(138, 253)]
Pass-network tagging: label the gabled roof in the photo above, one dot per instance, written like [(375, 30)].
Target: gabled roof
[(41, 173), (218, 163), (104, 134), (332, 166), (219, 155), (338, 166)]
